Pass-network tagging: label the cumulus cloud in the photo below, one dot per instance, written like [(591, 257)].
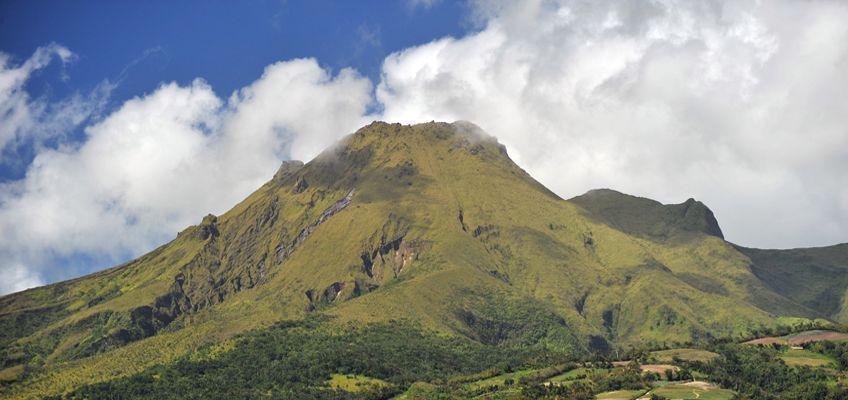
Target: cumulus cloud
[(739, 104), (162, 161), (24, 120), (16, 277)]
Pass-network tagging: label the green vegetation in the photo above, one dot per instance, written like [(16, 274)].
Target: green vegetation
[(432, 224), (318, 359), (355, 383), (667, 356), (648, 218), (583, 373), (688, 391), (620, 395), (513, 378), (816, 277), (836, 352), (759, 372), (309, 359), (806, 358)]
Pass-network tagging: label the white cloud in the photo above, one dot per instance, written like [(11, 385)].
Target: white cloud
[(162, 161), (425, 4), (737, 103), (27, 120), (17, 277)]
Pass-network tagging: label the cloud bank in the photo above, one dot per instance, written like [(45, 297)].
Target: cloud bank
[(162, 161), (739, 104)]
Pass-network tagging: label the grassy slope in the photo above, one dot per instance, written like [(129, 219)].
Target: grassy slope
[(814, 277), (806, 357), (518, 253), (666, 356)]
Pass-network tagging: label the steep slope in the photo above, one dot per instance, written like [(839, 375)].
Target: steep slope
[(648, 218), (432, 223), (814, 277)]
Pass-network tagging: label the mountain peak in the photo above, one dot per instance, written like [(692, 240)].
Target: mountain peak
[(649, 218), (431, 223), (433, 130)]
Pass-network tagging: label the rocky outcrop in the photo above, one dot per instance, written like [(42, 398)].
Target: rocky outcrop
[(300, 186), (206, 229), (390, 258), (287, 169), (336, 292), (283, 253)]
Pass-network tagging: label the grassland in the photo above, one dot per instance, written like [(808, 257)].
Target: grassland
[(578, 374), (687, 354), (693, 390), (355, 383), (796, 357), (620, 395)]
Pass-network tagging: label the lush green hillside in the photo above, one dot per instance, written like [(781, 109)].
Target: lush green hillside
[(814, 277), (648, 218), (431, 224)]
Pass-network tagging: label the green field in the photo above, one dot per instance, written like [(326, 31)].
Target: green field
[(686, 392), (354, 383), (500, 380), (808, 358), (620, 395), (666, 356), (576, 373)]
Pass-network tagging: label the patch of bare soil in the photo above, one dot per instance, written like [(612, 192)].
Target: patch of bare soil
[(658, 368)]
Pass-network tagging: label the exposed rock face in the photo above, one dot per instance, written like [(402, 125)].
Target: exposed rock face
[(329, 212), (207, 228), (336, 292), (390, 258), (287, 169), (300, 186), (696, 216)]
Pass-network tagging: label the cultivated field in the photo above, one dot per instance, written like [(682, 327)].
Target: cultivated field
[(666, 356), (693, 390), (620, 395), (807, 358), (800, 338)]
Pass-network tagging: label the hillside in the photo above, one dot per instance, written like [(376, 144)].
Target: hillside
[(815, 277), (432, 224), (647, 218)]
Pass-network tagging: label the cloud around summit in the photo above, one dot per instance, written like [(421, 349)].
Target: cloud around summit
[(738, 104)]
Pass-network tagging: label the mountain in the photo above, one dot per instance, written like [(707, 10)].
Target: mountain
[(647, 218), (432, 224), (815, 277)]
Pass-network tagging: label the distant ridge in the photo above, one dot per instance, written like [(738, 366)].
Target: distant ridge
[(649, 218)]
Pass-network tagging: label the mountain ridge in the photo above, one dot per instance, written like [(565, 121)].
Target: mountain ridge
[(431, 223)]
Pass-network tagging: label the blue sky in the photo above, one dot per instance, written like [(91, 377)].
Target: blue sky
[(139, 45), (121, 123)]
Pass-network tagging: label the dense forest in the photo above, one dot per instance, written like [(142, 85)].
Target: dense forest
[(302, 359)]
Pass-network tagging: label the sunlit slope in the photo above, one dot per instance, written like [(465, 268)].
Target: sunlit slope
[(430, 222)]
